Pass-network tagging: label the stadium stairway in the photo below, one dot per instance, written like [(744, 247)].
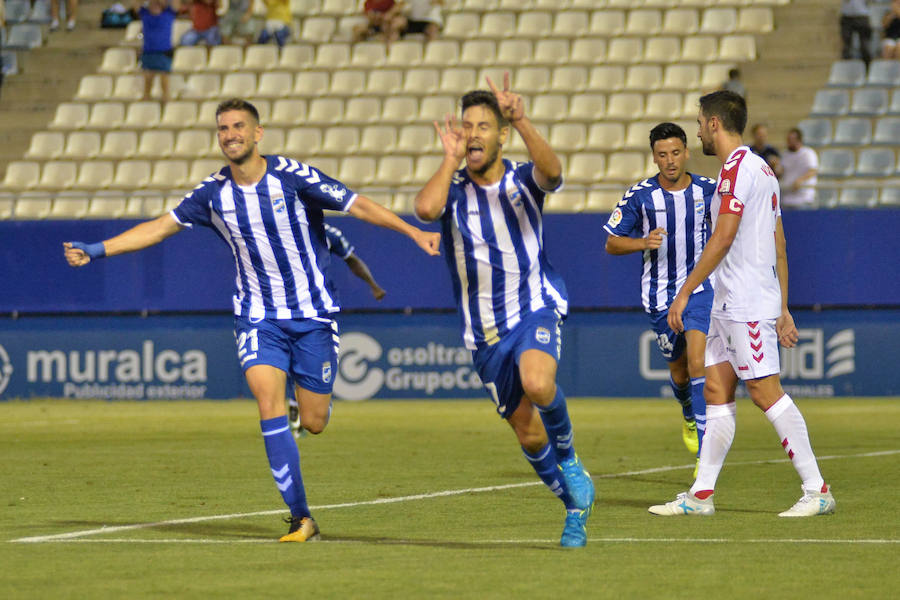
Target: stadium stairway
[(50, 75)]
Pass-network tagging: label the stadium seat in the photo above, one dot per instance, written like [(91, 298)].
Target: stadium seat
[(456, 80), (663, 105), (191, 59), (606, 78), (605, 136), (755, 19), (847, 73), (884, 72), (227, 59), (94, 87), (57, 174), (143, 204), (587, 107), (347, 82), (191, 143), (168, 174), (132, 174), (565, 201), (177, 113), (143, 115), (718, 21), (551, 52), (890, 196), (288, 111), (496, 25), (887, 131), (404, 53), (377, 139), (586, 168), (681, 77), (273, 142), (384, 82), (682, 21), (836, 162), (568, 137), (310, 83), (831, 103), (32, 208), (529, 80), (662, 49), (533, 24), (852, 131), (106, 115), (446, 52), (81, 145), (570, 23), (875, 162), (476, 53), (858, 197), (461, 25), (626, 166), (415, 139), (894, 107), (607, 23), (625, 106), (325, 110), (303, 141), (401, 109), (587, 51), (549, 107), (644, 77), (332, 55), (94, 175), (238, 85), (317, 29), (340, 140), (603, 200), (426, 166), (637, 134), (118, 60), (200, 86), (737, 48), (700, 48), (625, 50), (816, 132), (357, 171), (24, 36), (368, 55), (16, 12), (568, 79), (203, 168), (421, 81), (643, 22), (46, 144), (22, 174), (712, 75), (335, 7), (362, 110), (869, 101), (119, 144), (433, 108), (155, 143), (691, 106), (275, 84), (106, 207), (394, 170), (293, 57), (496, 74)]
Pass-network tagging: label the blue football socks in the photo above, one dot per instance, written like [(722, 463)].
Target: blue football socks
[(683, 395), (545, 465), (698, 403), (559, 428), (284, 460)]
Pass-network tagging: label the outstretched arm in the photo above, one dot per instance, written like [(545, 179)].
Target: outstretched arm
[(359, 268), (784, 325), (138, 237), (430, 201), (547, 168), (369, 211)]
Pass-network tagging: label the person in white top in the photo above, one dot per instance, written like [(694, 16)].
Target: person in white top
[(801, 167), (749, 316)]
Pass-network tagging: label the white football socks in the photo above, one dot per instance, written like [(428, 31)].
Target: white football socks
[(720, 423), (791, 428)]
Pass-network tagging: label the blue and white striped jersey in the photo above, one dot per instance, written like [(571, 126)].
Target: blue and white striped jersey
[(275, 230), (338, 244), (494, 245), (685, 217)]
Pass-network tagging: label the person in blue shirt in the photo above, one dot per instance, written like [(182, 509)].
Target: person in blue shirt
[(666, 218), (157, 20), (511, 300), (269, 210)]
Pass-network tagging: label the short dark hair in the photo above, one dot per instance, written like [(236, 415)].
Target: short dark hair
[(728, 107), (237, 104), (667, 130), (734, 73), (797, 131), (484, 98)]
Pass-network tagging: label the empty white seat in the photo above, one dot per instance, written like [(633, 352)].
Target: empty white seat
[(317, 29), (755, 19), (887, 131), (46, 144), (156, 143), (869, 101), (293, 57), (357, 171), (644, 77), (433, 108), (94, 175), (875, 162), (712, 75), (377, 139), (426, 166), (118, 60), (637, 134), (106, 115), (587, 51), (607, 22), (404, 53), (362, 110), (662, 49), (169, 174), (461, 25), (681, 21), (384, 82), (681, 77), (551, 52), (533, 24), (275, 84), (571, 24), (70, 115), (625, 50), (132, 174), (310, 83), (347, 82), (421, 81), (119, 144), (340, 140), (203, 168), (587, 107), (326, 110), (189, 59), (586, 168), (853, 131), (737, 48), (718, 21), (565, 201), (568, 137), (106, 207), (399, 109), (227, 58), (568, 79), (700, 48), (333, 55), (57, 174), (626, 166), (288, 111), (529, 80), (32, 208), (455, 80), (643, 22), (663, 105), (625, 106), (499, 24), (94, 87), (415, 139), (549, 107), (177, 113), (847, 73), (509, 52), (303, 141), (82, 144), (273, 142), (394, 170), (238, 85), (607, 78), (202, 85), (368, 54), (445, 52), (142, 115), (603, 200), (192, 143), (22, 174)]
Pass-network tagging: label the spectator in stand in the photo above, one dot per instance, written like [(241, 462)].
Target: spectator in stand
[(237, 22), (204, 24), (385, 17), (890, 40), (278, 22), (71, 11), (425, 16), (767, 151), (734, 83), (801, 164), (855, 20), (157, 18)]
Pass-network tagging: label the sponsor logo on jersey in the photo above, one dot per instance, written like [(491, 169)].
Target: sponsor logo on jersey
[(334, 191), (616, 217), (326, 371), (542, 335)]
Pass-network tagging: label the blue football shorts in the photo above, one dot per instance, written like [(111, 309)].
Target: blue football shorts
[(305, 349), (695, 316), (498, 365)]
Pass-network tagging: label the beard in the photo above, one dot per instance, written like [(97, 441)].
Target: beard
[(709, 149), (491, 160)]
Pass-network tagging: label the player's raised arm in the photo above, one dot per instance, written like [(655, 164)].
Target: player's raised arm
[(547, 168), (432, 198), (140, 236), (369, 211), (784, 325)]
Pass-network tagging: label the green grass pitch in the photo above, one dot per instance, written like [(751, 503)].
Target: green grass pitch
[(432, 500)]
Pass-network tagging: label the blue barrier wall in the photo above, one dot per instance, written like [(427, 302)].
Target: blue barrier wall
[(836, 258), (841, 353)]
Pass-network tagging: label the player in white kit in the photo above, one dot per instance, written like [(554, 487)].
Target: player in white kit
[(749, 315)]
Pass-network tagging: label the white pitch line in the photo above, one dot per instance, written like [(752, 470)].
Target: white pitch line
[(493, 488)]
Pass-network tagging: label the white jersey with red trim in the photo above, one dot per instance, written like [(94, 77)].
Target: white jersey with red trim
[(746, 281)]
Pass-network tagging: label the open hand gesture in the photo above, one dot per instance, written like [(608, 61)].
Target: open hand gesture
[(512, 107), (452, 138)]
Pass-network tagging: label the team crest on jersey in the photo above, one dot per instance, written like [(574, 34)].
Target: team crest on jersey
[(725, 186), (515, 197), (699, 207), (616, 217), (542, 335), (334, 191), (278, 203), (326, 371)]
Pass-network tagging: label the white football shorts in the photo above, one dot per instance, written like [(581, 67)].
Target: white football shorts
[(751, 348)]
